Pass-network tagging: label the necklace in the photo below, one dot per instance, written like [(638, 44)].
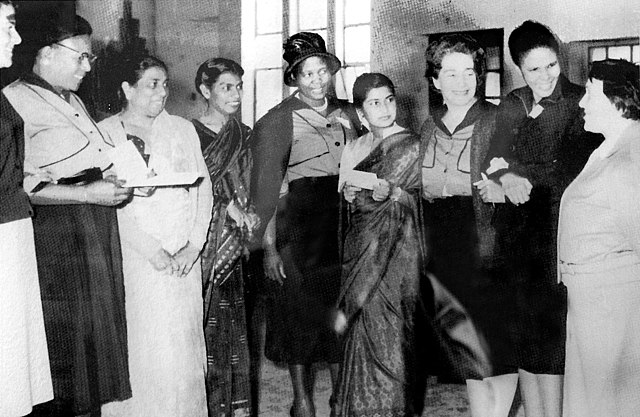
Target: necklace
[(323, 107)]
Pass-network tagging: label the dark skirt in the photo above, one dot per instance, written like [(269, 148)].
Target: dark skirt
[(81, 284), (454, 259), (527, 268), (299, 319)]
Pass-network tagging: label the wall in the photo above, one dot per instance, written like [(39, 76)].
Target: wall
[(183, 33), (399, 28)]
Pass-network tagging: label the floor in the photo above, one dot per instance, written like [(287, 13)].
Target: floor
[(443, 400)]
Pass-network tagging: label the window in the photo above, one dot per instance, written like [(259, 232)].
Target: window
[(580, 54), (628, 49), (266, 24), (491, 41)]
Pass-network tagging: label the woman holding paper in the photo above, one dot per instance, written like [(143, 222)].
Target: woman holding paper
[(163, 231), (538, 149), (382, 260), (224, 141)]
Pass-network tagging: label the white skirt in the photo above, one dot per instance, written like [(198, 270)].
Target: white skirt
[(25, 377), (602, 368)]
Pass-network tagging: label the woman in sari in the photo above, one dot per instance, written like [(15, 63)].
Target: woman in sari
[(224, 144), (163, 231), (382, 260)]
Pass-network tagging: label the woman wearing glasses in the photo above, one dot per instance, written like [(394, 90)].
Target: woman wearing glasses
[(76, 232)]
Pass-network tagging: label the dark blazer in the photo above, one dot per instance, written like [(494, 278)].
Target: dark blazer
[(14, 201), (483, 131)]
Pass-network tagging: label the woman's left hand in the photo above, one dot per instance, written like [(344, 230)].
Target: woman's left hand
[(381, 190), (186, 258)]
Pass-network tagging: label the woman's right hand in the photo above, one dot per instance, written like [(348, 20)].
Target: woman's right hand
[(273, 266), (162, 260), (349, 191), (516, 188), (106, 192)]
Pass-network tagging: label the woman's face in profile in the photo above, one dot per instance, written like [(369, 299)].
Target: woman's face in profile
[(225, 94), (457, 80), (599, 112), (149, 95), (540, 69)]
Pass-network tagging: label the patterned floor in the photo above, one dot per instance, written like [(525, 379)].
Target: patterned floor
[(443, 400)]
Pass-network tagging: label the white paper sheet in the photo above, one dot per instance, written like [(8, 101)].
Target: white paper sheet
[(362, 179), (131, 168), (163, 180)]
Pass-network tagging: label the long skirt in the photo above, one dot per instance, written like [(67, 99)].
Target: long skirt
[(298, 322), (225, 332), (25, 379), (81, 282), (602, 374)]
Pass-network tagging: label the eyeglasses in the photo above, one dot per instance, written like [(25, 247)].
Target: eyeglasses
[(83, 55)]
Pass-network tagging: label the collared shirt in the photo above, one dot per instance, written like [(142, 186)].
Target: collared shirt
[(317, 144), (446, 168), (60, 136)]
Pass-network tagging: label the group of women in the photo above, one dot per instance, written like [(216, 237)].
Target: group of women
[(475, 200), (356, 215)]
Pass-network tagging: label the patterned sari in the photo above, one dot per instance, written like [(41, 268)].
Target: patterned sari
[(380, 287), (228, 160)]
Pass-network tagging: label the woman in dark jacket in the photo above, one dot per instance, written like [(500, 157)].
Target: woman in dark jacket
[(538, 148), (296, 149)]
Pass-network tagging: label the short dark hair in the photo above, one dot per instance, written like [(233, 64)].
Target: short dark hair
[(457, 42), (211, 69), (7, 3), (132, 68), (530, 35), (620, 83), (367, 82), (54, 30)]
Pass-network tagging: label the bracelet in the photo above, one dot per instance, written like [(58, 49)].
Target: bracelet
[(85, 195), (396, 194)]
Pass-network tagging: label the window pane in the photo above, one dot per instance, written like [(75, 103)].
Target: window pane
[(636, 54), (312, 14), (268, 90), (268, 51), (492, 84), (492, 58), (620, 52), (268, 16), (598, 54), (345, 79), (357, 11), (357, 41)]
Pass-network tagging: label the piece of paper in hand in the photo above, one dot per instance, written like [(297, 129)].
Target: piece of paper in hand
[(362, 179), (131, 168), (497, 164), (127, 161)]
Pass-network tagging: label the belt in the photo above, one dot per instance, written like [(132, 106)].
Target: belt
[(600, 266)]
